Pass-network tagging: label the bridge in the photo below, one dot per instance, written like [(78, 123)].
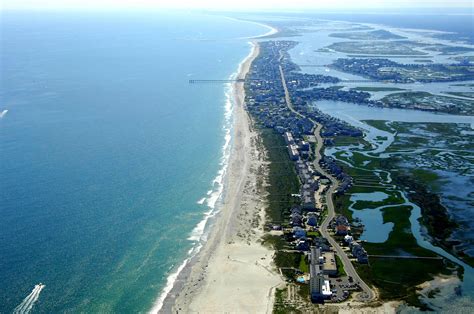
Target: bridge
[(313, 65)]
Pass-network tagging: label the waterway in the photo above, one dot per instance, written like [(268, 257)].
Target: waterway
[(309, 52)]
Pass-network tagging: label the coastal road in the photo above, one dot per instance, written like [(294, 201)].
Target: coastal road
[(367, 294)]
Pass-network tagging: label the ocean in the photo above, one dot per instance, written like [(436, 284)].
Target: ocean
[(110, 161)]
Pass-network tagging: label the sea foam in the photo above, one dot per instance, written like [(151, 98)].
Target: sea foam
[(199, 233)]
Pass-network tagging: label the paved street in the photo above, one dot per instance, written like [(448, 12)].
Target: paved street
[(367, 294)]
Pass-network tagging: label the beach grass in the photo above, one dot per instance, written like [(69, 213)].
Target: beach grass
[(282, 178), (281, 306), (340, 267), (397, 278)]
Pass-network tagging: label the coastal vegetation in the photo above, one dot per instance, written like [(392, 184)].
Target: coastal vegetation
[(384, 69), (434, 214), (398, 264), (282, 179), (396, 278), (379, 34), (386, 48), (428, 101), (281, 305), (340, 267), (424, 184)]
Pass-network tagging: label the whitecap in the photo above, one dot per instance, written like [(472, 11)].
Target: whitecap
[(201, 201), (200, 232)]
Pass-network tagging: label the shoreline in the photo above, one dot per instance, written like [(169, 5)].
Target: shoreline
[(232, 252), (272, 30)]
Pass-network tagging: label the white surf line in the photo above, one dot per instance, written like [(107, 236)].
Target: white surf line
[(27, 304)]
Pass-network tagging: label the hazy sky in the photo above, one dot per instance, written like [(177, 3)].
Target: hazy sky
[(229, 4)]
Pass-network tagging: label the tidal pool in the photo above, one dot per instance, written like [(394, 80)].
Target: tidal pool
[(377, 231)]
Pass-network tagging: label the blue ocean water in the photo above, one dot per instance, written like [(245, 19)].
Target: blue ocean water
[(106, 150)]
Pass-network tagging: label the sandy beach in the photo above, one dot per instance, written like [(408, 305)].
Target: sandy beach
[(233, 272)]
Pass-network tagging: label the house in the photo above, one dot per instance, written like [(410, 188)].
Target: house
[(299, 232), (304, 146), (321, 243), (296, 220), (359, 252), (303, 245), (341, 220), (342, 229), (312, 220), (296, 210), (348, 239)]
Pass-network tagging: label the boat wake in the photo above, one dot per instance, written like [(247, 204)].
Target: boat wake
[(29, 301), (3, 113)]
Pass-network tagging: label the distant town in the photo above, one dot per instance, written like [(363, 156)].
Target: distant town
[(275, 101), (318, 247)]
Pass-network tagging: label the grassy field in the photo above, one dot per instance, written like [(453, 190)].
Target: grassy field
[(304, 264), (400, 240), (340, 267), (379, 124), (397, 278), (282, 178), (392, 199), (281, 306)]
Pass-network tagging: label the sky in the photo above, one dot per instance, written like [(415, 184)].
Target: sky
[(230, 4)]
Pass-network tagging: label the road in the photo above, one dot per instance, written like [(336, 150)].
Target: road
[(367, 294)]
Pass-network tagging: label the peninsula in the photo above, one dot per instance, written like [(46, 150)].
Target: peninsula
[(292, 235)]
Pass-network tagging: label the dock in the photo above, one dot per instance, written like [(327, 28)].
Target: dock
[(216, 81)]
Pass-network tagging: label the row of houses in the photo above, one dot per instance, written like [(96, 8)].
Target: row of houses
[(342, 228), (345, 180), (265, 97), (341, 225)]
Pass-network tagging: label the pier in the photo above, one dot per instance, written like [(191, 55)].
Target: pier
[(407, 257), (313, 65), (358, 81), (216, 81)]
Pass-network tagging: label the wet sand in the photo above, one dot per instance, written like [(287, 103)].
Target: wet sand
[(233, 272)]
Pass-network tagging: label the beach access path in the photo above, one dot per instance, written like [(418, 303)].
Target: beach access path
[(367, 294)]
